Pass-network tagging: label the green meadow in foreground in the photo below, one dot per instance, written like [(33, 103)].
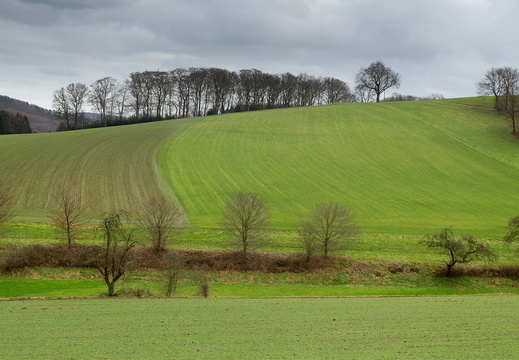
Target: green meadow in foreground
[(461, 327)]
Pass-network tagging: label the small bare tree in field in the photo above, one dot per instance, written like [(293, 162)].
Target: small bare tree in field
[(512, 233), (171, 273), (459, 250), (113, 259), (68, 215), (246, 218), (6, 204), (161, 219), (327, 227)]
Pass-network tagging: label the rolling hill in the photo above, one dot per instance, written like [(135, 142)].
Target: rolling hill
[(403, 167), (41, 120)]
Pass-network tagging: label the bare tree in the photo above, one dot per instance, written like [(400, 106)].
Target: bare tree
[(246, 218), (183, 88), (61, 107), (6, 204), (221, 85), (272, 89), (459, 250), (101, 98), (511, 108), (328, 226), (77, 95), (503, 85), (68, 214), (363, 94), (199, 84), (491, 85), (160, 218), (288, 89), (114, 256), (512, 233), (509, 85), (378, 78), (335, 91), (172, 271), (122, 95)]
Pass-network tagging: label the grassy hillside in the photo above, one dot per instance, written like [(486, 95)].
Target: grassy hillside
[(114, 167), (406, 167)]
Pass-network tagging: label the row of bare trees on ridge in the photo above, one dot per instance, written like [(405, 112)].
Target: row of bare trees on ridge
[(180, 93)]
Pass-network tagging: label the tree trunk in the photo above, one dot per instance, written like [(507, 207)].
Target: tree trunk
[(111, 288), (449, 268)]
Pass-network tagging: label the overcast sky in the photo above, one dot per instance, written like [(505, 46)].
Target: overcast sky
[(440, 46)]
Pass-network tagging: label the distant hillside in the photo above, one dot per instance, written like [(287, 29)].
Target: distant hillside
[(41, 120)]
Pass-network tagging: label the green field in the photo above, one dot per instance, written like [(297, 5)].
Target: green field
[(113, 167), (460, 327), (402, 168)]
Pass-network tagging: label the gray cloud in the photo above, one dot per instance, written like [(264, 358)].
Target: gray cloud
[(442, 46)]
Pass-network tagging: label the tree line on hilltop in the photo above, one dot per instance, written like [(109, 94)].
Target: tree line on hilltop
[(155, 95), (180, 93)]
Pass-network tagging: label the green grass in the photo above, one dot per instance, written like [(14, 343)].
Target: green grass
[(114, 167), (393, 247), (353, 277), (403, 167), (465, 327)]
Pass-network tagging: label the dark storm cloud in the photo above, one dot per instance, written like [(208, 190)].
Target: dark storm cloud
[(437, 46)]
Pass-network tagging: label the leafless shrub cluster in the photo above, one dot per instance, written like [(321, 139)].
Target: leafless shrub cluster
[(35, 255)]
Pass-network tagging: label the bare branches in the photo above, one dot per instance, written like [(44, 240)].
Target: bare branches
[(378, 78), (68, 214), (328, 227), (458, 250), (160, 218), (114, 257), (246, 218), (512, 233), (503, 84)]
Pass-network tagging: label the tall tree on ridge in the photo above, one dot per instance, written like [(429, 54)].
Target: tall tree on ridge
[(378, 78)]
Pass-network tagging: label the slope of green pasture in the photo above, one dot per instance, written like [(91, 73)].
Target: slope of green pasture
[(403, 167), (459, 327), (114, 167)]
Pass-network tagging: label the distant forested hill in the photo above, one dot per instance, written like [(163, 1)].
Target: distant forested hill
[(40, 119)]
